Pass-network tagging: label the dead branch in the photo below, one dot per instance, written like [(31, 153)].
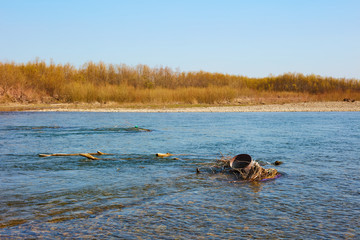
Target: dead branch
[(87, 155)]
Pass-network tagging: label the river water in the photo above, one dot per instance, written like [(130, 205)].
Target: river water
[(133, 194)]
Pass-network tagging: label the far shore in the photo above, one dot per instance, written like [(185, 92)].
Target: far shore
[(287, 107)]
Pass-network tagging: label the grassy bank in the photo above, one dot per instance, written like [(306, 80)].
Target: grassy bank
[(40, 83)]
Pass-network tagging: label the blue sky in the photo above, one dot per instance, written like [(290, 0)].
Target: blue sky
[(254, 38)]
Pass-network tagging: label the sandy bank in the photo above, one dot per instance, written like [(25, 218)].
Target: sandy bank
[(289, 107)]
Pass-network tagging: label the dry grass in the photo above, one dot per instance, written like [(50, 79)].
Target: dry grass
[(38, 82)]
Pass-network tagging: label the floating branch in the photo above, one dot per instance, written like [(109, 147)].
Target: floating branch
[(87, 155)]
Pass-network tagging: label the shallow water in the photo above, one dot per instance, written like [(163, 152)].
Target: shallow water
[(133, 194)]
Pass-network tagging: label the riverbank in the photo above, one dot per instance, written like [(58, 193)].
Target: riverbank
[(287, 107)]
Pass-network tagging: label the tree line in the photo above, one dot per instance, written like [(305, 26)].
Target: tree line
[(37, 80)]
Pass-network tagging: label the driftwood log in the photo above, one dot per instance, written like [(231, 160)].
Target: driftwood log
[(87, 155)]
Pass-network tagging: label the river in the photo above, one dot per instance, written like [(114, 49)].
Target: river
[(133, 194)]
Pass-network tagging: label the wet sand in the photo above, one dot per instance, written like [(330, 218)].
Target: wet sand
[(288, 107)]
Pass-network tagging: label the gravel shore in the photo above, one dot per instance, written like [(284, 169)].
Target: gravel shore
[(289, 107)]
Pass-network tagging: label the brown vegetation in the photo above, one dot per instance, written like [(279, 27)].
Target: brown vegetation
[(38, 82)]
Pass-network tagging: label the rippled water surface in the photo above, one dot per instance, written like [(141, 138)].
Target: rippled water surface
[(133, 194)]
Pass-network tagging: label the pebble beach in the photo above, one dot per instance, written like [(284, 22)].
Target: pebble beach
[(288, 107)]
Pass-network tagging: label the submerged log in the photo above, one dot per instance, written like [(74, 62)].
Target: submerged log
[(140, 129), (87, 155)]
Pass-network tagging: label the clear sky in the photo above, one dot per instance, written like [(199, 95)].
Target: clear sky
[(254, 38)]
